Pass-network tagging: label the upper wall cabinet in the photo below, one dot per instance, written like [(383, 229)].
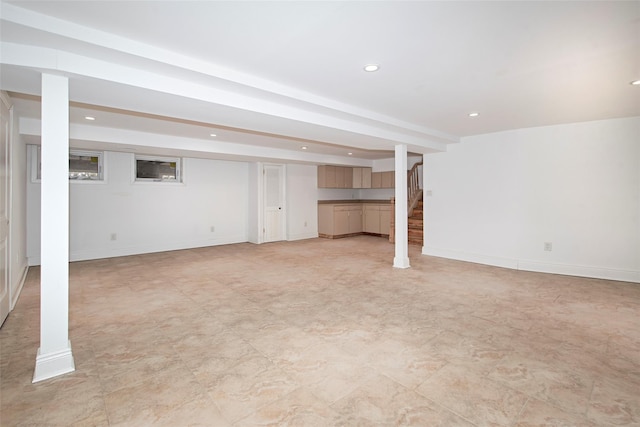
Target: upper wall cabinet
[(337, 177), (356, 177), (383, 179), (344, 177), (361, 178), (326, 177)]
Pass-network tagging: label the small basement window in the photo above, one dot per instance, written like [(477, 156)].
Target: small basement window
[(83, 165), (158, 169)]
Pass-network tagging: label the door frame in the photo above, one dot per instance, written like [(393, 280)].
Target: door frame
[(7, 300), (263, 204)]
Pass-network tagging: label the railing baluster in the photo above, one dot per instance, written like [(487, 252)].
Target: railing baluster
[(413, 188)]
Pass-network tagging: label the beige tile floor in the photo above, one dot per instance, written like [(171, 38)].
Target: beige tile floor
[(324, 333)]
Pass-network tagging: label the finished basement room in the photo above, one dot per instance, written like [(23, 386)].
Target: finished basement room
[(321, 213)]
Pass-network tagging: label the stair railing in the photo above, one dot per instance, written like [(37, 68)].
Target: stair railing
[(414, 195), (414, 192)]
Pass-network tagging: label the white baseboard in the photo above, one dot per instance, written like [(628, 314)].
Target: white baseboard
[(53, 364), (469, 257), (106, 252), (581, 271), (537, 266), (303, 236)]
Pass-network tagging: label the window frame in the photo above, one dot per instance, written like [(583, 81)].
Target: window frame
[(179, 169), (36, 165)]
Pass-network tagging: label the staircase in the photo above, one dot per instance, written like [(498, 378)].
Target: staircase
[(415, 225), (414, 209)]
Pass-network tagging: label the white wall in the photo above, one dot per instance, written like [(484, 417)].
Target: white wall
[(355, 194), (497, 198), (158, 217), (389, 164), (337, 193), (376, 193), (150, 217)]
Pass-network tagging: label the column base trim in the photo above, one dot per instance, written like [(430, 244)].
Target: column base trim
[(401, 262), (53, 364)]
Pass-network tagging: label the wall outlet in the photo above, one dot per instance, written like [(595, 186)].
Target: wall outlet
[(305, 223), (213, 229), (429, 193), (548, 246), (114, 236)]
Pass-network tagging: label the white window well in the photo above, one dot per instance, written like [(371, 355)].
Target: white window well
[(83, 165), (158, 169)]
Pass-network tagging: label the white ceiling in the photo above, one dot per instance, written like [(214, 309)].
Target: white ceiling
[(288, 74)]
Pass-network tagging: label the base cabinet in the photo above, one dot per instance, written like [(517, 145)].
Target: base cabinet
[(377, 219), (371, 219), (385, 220), (345, 219), (339, 220)]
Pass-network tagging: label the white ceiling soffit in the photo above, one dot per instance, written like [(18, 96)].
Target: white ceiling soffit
[(131, 131), (178, 86), (294, 69)]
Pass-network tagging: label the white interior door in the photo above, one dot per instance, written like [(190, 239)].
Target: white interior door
[(274, 203), (5, 297)]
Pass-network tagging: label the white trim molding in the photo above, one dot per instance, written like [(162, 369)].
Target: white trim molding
[(537, 266), (53, 364)]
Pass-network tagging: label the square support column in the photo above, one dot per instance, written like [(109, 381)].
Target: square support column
[(401, 259), (54, 355)]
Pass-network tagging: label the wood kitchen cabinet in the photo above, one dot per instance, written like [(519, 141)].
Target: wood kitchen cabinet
[(326, 176), (366, 177), (377, 218), (371, 219), (376, 180), (334, 176), (361, 177), (355, 219), (343, 219), (388, 179), (383, 179), (339, 220), (385, 219), (343, 177), (354, 177)]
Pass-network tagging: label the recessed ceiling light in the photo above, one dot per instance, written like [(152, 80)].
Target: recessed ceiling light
[(212, 134), (89, 118), (351, 154), (474, 114), (636, 83), (304, 147), (370, 68)]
